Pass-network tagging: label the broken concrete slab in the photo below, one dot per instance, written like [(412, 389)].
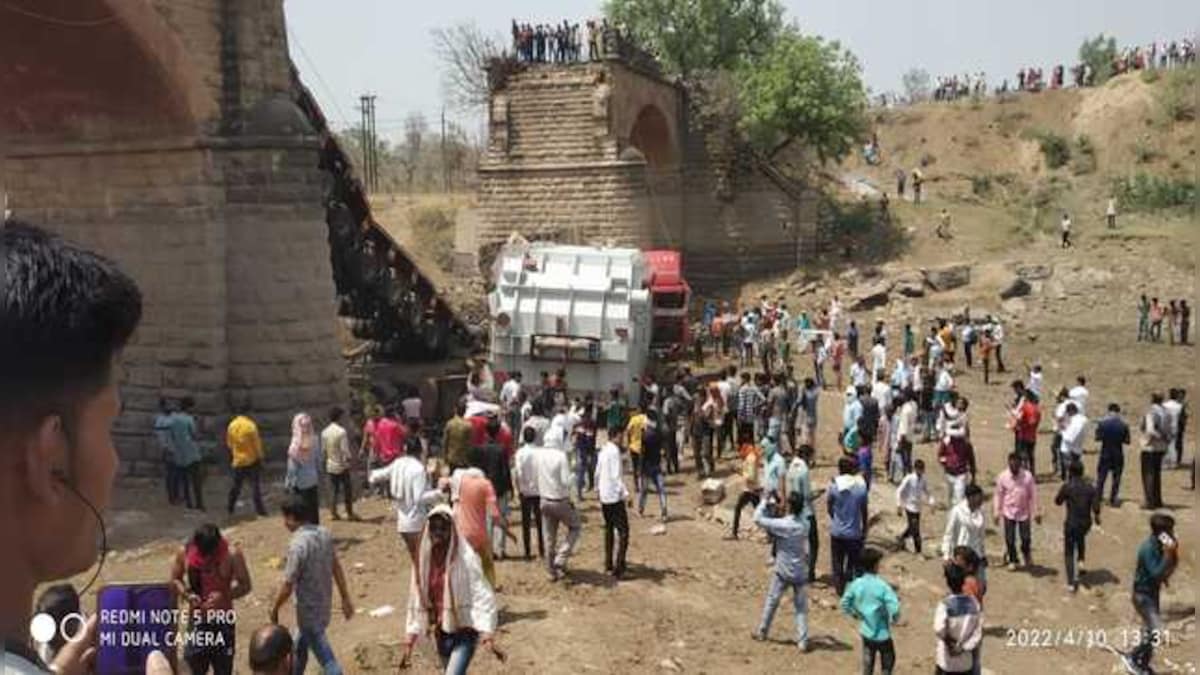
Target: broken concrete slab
[(870, 297), (1017, 288), (948, 277)]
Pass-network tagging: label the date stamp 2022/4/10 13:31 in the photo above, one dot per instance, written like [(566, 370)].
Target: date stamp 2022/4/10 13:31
[(1085, 637)]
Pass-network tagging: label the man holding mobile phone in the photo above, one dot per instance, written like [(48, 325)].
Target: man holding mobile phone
[(66, 315)]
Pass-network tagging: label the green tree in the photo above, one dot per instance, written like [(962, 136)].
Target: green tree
[(690, 36), (806, 89), (1099, 52)]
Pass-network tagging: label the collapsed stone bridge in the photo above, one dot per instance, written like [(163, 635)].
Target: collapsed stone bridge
[(174, 137), (612, 151)]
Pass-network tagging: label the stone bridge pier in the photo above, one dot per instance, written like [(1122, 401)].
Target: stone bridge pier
[(162, 134)]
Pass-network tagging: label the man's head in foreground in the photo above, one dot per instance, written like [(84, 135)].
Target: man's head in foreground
[(271, 651), (65, 317)]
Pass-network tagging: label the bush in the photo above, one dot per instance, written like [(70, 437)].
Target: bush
[(1147, 192), (1177, 95), (1143, 151), (433, 233), (1055, 148), (1085, 155)]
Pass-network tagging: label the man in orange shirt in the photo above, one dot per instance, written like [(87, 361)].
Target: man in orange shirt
[(474, 501)]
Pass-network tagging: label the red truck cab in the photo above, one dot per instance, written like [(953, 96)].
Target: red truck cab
[(670, 296)]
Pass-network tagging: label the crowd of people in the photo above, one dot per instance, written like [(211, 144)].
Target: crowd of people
[(1153, 315), (560, 42), (955, 87), (1156, 55), (548, 448)]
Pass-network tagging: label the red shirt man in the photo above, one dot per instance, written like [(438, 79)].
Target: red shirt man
[(479, 434), (390, 435), (1029, 416)]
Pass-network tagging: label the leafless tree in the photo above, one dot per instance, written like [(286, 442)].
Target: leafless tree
[(464, 52), (415, 128)]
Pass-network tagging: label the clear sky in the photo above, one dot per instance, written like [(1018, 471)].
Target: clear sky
[(349, 47)]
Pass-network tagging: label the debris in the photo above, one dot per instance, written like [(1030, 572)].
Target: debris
[(1035, 272), (275, 562), (671, 664), (712, 491), (1018, 288), (948, 277), (870, 297), (659, 529), (380, 612)]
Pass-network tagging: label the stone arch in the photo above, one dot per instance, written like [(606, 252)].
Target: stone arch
[(651, 135), (82, 69)]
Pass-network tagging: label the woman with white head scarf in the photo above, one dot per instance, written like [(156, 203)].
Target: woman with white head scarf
[(449, 597), (303, 465)]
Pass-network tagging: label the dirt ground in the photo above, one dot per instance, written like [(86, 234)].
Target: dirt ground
[(692, 598)]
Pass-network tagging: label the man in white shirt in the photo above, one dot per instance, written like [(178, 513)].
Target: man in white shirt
[(911, 495), (1036, 380), (610, 487), (512, 387), (1071, 449), (1173, 406), (728, 387), (906, 429), (881, 391), (858, 373), (998, 343), (878, 359), (411, 497), (525, 476), (554, 480), (1079, 394), (562, 425), (335, 442), (966, 525)]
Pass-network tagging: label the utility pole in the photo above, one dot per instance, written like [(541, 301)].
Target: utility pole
[(364, 140), (374, 150), (370, 166)]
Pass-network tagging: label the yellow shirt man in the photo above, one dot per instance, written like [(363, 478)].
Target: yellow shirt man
[(245, 445), (633, 432)]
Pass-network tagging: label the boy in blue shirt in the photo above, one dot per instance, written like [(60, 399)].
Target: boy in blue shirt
[(846, 502), (872, 601)]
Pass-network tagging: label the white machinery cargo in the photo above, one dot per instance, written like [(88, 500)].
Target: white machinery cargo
[(580, 308)]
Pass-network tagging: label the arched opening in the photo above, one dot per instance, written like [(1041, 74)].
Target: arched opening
[(651, 134), (92, 69)]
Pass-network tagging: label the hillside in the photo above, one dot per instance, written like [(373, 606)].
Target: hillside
[(983, 162)]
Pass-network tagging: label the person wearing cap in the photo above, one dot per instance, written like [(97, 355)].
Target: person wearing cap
[(449, 597)]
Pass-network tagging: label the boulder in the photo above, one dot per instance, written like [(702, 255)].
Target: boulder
[(948, 277), (1017, 288), (1035, 272), (712, 491), (870, 297)]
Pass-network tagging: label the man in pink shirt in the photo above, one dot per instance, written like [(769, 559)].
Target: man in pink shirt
[(475, 502), (1015, 500), (389, 437)]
